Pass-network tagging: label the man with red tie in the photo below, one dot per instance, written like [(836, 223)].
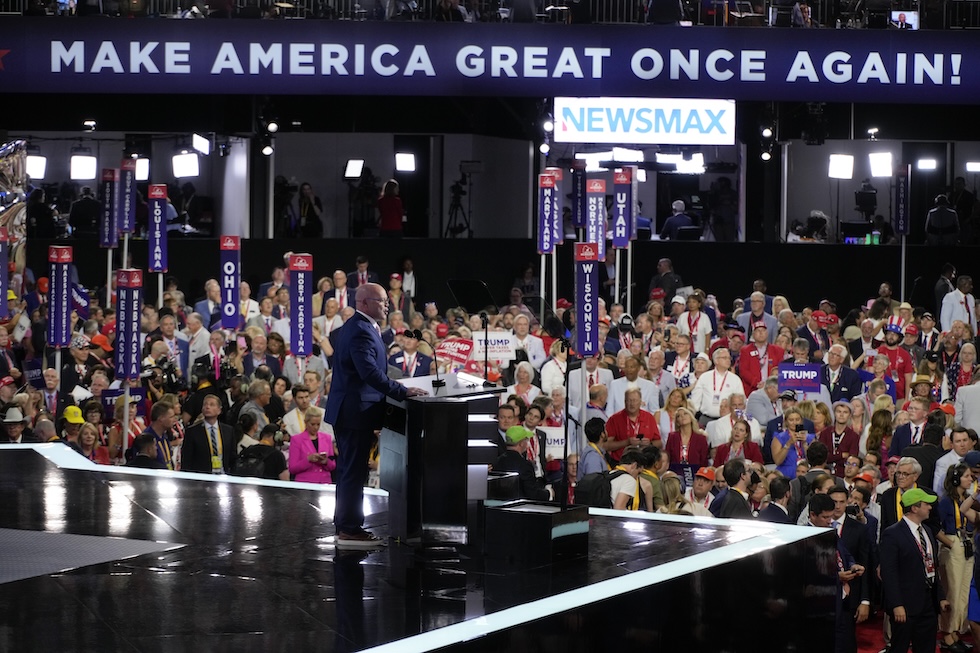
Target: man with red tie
[(912, 590), (265, 319), (341, 292), (361, 275)]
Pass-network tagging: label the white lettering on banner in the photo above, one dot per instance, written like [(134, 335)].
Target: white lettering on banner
[(799, 375), (140, 57), (620, 225), (157, 235), (228, 283), (502, 61), (645, 120), (503, 347)]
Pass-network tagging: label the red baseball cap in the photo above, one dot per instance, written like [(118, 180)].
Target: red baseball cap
[(442, 330), (707, 472), (563, 303), (911, 330), (658, 293)]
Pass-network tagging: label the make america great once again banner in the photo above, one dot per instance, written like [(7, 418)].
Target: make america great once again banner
[(335, 58)]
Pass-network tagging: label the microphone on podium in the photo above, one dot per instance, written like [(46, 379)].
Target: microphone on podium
[(416, 334)]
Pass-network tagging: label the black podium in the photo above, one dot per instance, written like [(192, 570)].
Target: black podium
[(433, 465)]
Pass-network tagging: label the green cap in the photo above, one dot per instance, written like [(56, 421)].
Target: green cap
[(913, 496), (516, 434)]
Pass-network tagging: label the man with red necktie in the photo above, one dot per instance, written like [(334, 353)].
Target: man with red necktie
[(361, 275)]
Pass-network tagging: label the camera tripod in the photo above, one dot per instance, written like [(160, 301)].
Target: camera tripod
[(459, 219)]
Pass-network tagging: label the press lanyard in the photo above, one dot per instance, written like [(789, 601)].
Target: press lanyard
[(692, 325), (714, 381)]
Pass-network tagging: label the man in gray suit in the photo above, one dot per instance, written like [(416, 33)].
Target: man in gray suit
[(593, 375), (967, 403), (757, 313)]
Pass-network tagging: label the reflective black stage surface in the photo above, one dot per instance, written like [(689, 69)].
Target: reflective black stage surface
[(256, 570)]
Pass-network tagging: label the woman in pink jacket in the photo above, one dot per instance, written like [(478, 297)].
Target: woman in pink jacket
[(312, 454)]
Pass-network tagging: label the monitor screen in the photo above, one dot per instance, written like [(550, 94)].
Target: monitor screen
[(904, 20)]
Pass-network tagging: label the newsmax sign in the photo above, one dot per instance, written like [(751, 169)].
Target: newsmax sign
[(650, 121)]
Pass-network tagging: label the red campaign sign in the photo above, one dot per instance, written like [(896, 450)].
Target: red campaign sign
[(230, 243), (456, 350), (157, 192), (557, 173), (128, 164), (586, 252), (301, 262), (59, 254), (546, 180), (129, 278), (110, 174), (624, 176), (596, 186)]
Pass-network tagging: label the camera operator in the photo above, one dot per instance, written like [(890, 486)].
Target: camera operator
[(207, 382)]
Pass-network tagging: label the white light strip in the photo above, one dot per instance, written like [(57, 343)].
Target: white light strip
[(65, 458)]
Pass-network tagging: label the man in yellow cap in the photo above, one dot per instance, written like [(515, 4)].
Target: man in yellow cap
[(514, 459), (912, 589)]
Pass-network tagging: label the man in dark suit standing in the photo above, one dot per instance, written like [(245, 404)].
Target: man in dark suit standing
[(911, 587), (841, 381), (815, 334), (777, 511), (856, 606), (258, 357), (736, 502), (928, 453), (911, 432), (355, 407), (361, 276), (209, 446)]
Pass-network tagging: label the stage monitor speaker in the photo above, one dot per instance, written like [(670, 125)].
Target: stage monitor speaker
[(522, 11)]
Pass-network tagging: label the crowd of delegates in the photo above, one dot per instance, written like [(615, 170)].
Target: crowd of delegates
[(682, 403)]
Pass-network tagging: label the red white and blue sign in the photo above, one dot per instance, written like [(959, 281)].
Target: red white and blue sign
[(300, 296), (129, 340), (595, 218), (903, 222), (4, 275), (230, 279), (624, 207), (59, 289), (547, 204), (802, 377), (559, 228), (580, 209), (108, 225), (587, 298), (126, 206), (157, 234)]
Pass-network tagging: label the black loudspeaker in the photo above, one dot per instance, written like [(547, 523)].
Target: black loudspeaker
[(522, 11), (580, 11)]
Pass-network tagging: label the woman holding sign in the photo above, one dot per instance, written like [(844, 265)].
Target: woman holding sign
[(789, 446)]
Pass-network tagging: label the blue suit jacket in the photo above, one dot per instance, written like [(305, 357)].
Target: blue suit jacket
[(848, 383), (209, 317), (902, 439), (360, 379), (804, 332), (902, 574), (421, 369), (774, 514), (248, 366)]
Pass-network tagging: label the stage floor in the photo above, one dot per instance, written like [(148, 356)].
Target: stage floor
[(249, 565)]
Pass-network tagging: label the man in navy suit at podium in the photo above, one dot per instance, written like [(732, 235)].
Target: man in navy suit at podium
[(355, 408)]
